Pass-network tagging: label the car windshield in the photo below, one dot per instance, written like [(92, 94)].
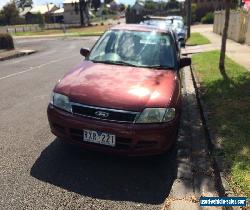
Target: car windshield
[(134, 48)]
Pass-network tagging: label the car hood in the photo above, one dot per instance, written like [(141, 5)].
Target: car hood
[(118, 87)]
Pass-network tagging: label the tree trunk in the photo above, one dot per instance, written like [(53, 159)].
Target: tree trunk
[(224, 39), (81, 4), (189, 17)]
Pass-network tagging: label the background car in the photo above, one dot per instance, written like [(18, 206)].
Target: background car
[(175, 17), (125, 97), (179, 27), (167, 26), (176, 23)]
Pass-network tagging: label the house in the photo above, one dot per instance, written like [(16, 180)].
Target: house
[(138, 7), (71, 12), (24, 11), (46, 11), (58, 15), (135, 13)]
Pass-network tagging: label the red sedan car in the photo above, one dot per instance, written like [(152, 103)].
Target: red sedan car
[(125, 97)]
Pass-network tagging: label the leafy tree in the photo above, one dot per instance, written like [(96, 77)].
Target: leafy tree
[(10, 13), (105, 11), (173, 4), (122, 7), (96, 4), (193, 10), (82, 8), (2, 19), (150, 5), (23, 3), (235, 3), (107, 1), (40, 20), (224, 40), (162, 5)]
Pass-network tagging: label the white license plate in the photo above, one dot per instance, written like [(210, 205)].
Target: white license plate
[(99, 137)]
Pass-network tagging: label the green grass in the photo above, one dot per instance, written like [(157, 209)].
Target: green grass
[(86, 31), (229, 104), (197, 39)]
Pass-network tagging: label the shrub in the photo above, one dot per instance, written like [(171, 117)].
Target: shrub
[(208, 18), (6, 41)]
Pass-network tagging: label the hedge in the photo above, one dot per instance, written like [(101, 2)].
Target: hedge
[(6, 41), (208, 18)]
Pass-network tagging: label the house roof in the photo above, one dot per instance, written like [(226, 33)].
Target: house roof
[(43, 8), (59, 11), (24, 11)]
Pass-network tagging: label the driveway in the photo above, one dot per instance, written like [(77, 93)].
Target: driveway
[(38, 171)]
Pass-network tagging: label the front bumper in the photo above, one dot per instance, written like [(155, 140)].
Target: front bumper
[(131, 139)]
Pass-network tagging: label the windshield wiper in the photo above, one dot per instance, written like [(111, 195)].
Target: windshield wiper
[(116, 63)]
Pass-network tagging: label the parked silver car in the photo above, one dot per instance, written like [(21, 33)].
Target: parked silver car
[(176, 23), (179, 27), (163, 24)]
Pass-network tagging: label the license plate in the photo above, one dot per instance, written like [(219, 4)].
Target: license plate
[(99, 137)]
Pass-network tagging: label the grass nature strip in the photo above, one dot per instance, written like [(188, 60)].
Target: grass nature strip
[(197, 39), (229, 113)]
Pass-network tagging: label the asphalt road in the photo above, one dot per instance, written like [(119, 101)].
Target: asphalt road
[(38, 171)]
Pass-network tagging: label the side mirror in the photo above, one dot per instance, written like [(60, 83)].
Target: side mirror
[(84, 52), (185, 62)]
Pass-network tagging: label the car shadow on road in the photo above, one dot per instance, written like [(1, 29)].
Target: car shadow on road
[(145, 179)]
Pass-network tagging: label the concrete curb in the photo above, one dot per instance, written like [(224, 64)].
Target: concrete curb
[(17, 54), (214, 145), (195, 173)]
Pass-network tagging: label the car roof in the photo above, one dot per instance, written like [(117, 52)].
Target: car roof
[(156, 17), (140, 27), (174, 17), (157, 24)]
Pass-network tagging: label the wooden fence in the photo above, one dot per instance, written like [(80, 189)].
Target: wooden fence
[(239, 25)]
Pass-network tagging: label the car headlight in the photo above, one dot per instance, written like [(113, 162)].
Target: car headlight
[(61, 101), (156, 115)]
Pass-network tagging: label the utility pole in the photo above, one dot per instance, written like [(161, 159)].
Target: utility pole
[(189, 17)]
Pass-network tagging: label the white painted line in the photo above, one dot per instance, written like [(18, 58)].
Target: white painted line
[(35, 67)]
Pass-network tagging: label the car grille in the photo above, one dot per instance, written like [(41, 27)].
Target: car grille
[(104, 113)]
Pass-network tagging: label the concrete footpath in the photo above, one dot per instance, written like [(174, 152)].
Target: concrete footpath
[(240, 53)]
